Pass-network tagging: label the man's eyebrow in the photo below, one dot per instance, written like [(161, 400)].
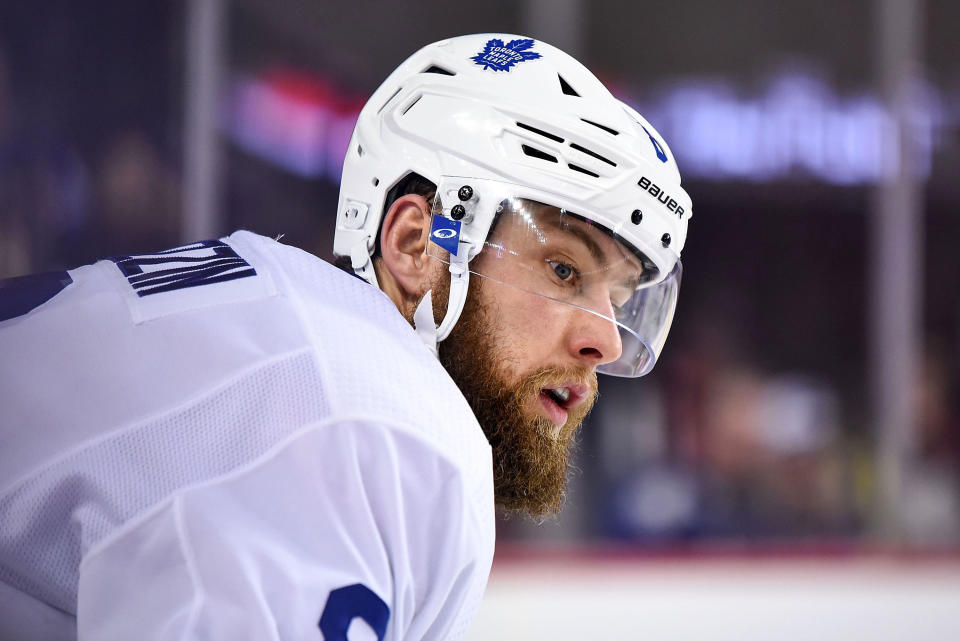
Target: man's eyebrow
[(592, 246)]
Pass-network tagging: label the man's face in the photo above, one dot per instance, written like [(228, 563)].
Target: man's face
[(526, 363)]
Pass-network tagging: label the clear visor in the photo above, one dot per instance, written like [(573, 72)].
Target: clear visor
[(567, 259)]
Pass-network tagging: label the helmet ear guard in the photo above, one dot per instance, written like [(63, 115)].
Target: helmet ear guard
[(511, 109)]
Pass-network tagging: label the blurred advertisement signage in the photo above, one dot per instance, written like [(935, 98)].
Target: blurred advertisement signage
[(798, 127)]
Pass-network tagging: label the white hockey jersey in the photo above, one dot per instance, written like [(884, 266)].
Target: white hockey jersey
[(232, 440)]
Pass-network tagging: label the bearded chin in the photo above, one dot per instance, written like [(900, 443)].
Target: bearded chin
[(530, 455), (531, 460)]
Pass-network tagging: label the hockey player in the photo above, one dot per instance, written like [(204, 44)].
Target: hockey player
[(235, 440)]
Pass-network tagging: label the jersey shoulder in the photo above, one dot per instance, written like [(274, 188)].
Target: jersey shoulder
[(376, 364)]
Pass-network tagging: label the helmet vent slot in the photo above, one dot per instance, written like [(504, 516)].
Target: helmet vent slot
[(541, 132), (583, 171), (387, 101), (593, 153), (566, 88), (440, 70), (410, 106), (536, 153), (604, 127)]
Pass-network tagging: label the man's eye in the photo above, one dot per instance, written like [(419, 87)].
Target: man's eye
[(562, 270)]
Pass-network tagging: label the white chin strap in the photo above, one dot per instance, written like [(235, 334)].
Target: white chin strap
[(423, 321)]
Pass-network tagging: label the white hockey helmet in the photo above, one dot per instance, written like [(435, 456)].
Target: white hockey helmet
[(505, 125)]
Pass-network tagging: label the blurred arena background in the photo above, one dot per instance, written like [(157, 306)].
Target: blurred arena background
[(791, 469)]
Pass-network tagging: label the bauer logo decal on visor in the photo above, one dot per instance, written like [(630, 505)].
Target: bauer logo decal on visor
[(445, 233), (501, 57)]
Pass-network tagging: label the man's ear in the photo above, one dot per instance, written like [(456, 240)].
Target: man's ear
[(403, 244)]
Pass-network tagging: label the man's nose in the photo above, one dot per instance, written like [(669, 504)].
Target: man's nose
[(595, 338)]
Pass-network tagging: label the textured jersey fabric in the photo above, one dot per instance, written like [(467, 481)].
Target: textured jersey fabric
[(218, 441)]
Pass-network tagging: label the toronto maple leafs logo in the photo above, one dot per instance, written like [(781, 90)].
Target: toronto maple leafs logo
[(501, 57)]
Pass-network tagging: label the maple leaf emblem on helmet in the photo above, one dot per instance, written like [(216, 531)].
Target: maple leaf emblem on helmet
[(501, 57)]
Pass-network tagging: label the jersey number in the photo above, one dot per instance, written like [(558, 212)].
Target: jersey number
[(347, 603)]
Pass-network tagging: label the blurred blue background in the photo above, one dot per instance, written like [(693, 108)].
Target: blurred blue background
[(808, 395)]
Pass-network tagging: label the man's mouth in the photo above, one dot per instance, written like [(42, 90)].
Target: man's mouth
[(559, 399), (560, 394)]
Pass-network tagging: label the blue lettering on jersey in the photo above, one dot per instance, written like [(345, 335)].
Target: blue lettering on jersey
[(203, 263), (347, 603), (21, 295), (445, 233), (501, 57)]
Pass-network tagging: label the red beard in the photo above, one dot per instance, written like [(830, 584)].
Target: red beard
[(530, 455)]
